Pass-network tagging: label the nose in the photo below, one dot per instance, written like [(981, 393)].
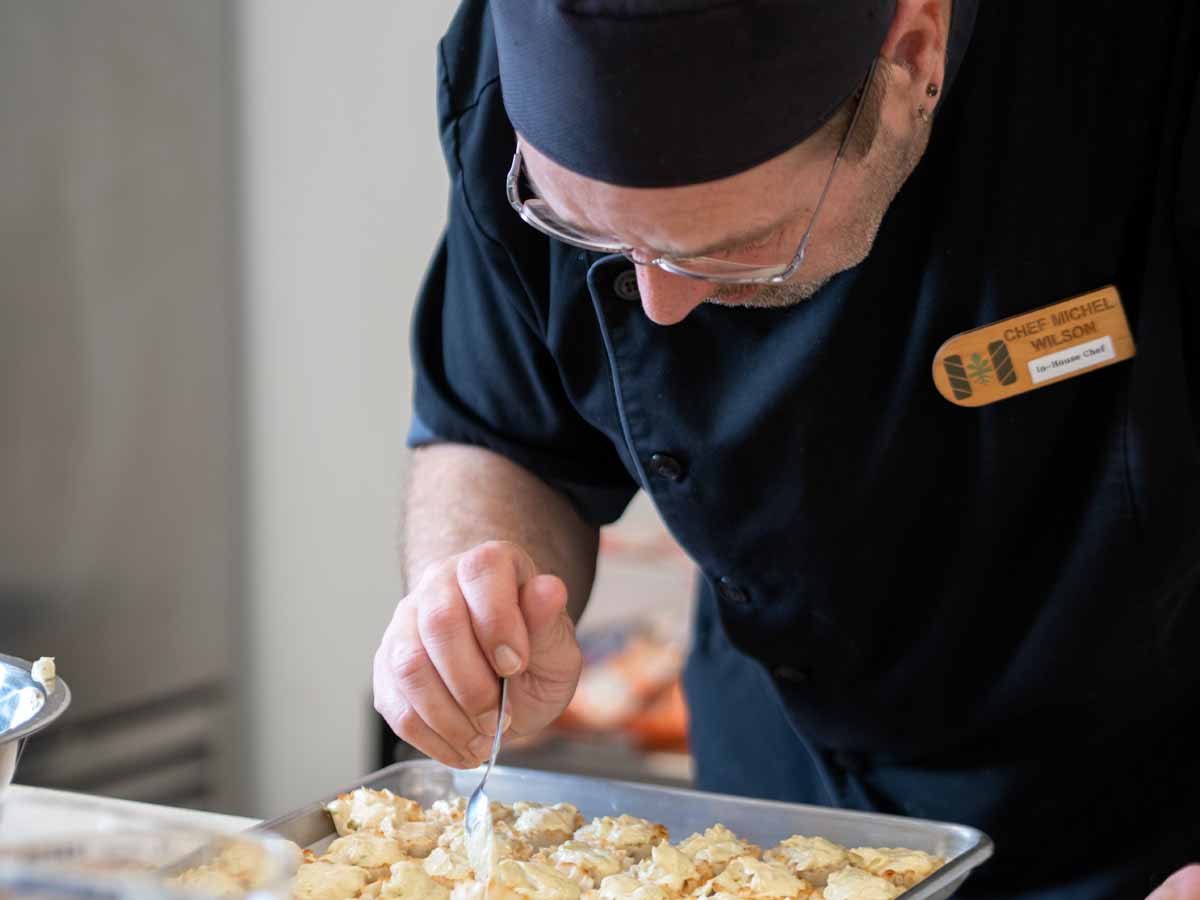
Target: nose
[(666, 298)]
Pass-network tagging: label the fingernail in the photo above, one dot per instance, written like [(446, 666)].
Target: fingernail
[(505, 722), (507, 661), (486, 723), (480, 747)]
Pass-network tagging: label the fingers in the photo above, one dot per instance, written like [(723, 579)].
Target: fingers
[(401, 667), (490, 577), (465, 715), (1183, 885), (469, 619)]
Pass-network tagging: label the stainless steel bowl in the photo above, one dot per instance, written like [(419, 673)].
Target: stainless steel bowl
[(26, 707)]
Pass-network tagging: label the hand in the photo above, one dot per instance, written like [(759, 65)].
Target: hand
[(1183, 885), (471, 618)]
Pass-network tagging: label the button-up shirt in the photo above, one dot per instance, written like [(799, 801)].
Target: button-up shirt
[(901, 581)]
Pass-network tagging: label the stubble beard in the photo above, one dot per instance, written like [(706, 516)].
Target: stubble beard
[(850, 241)]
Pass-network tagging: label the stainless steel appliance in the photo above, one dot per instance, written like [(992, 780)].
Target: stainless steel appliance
[(119, 510)]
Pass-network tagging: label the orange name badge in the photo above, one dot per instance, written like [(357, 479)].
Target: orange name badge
[(1034, 350)]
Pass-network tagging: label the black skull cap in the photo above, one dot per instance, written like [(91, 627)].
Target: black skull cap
[(657, 93)]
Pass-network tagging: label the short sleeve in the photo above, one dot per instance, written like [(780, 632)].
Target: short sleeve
[(484, 375)]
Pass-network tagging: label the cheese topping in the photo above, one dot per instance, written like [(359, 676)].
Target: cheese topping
[(895, 864), (365, 850), (750, 877), (716, 847), (367, 810), (626, 887), (586, 865), (546, 825), (447, 866), (855, 884), (323, 880), (635, 836), (810, 858), (670, 869), (409, 881)]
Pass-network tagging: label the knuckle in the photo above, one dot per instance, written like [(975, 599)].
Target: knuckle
[(436, 573), (408, 722), (410, 669), (479, 696), (456, 734), (484, 559), (494, 621), (443, 621)]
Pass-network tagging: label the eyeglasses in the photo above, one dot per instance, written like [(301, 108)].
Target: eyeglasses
[(537, 213)]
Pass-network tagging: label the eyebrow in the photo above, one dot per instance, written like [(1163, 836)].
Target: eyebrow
[(733, 242)]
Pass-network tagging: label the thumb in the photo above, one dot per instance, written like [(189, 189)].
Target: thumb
[(543, 690), (543, 604)]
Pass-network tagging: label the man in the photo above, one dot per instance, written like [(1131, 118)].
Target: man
[(978, 614)]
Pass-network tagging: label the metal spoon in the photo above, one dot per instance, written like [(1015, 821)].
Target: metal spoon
[(478, 821)]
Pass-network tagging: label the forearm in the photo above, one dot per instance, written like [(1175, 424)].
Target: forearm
[(461, 496)]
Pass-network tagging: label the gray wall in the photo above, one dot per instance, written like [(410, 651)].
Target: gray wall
[(345, 194)]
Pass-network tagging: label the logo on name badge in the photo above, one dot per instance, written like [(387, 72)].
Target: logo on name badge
[(1034, 350)]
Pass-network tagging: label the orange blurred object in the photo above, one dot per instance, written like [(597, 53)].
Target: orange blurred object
[(617, 688), (662, 725)]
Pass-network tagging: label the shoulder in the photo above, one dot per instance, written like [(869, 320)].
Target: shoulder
[(467, 63), (478, 142)]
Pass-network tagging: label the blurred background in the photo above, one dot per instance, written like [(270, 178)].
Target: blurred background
[(214, 217)]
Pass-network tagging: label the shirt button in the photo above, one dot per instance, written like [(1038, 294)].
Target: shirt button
[(666, 466), (625, 285), (731, 593), (792, 674)]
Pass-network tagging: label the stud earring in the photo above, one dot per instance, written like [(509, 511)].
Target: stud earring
[(931, 90)]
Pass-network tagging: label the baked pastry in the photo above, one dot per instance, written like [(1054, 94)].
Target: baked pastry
[(416, 839), (517, 880), (810, 858), (252, 865), (453, 809), (712, 851), (367, 810), (584, 864), (389, 848), (507, 844), (210, 881), (899, 866), (627, 887), (324, 880), (448, 867), (634, 836), (852, 883), (370, 851), (546, 826), (409, 881), (670, 869), (751, 878)]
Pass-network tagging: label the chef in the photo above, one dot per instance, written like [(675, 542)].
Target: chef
[(710, 250)]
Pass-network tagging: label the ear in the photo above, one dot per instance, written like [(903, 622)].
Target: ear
[(916, 47)]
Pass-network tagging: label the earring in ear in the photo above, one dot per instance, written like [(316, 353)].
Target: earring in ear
[(931, 90), (922, 114)]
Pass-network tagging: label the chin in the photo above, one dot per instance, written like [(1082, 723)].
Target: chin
[(853, 249)]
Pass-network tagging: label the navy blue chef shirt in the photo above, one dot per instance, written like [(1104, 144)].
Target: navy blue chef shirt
[(981, 615)]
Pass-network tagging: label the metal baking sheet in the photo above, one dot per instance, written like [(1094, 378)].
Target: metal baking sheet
[(764, 822)]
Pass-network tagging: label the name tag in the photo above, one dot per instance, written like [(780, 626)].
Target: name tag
[(1034, 350)]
